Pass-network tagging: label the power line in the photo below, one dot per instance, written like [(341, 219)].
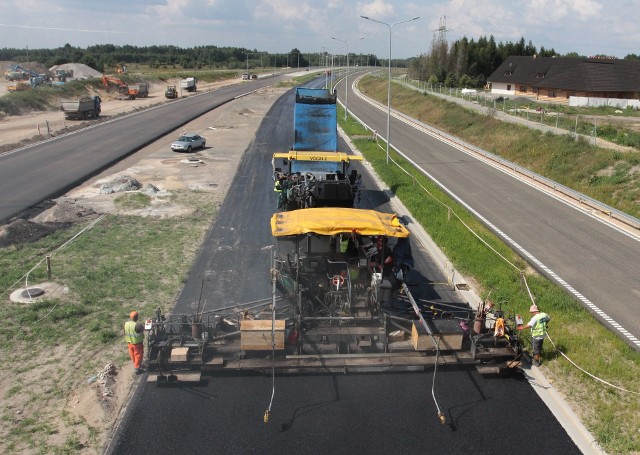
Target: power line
[(442, 30)]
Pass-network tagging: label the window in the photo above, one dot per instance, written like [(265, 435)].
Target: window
[(508, 73), (508, 86), (540, 75)]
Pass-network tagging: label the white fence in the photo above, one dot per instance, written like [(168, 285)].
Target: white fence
[(583, 101)]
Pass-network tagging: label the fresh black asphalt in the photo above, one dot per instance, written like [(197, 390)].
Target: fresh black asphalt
[(383, 413)]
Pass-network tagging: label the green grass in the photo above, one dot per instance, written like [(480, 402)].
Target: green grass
[(122, 263), (609, 414), (135, 200), (572, 119)]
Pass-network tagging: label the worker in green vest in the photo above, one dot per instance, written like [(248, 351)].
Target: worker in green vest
[(134, 336), (538, 324), (280, 190)]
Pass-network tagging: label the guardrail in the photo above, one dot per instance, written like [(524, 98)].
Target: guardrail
[(579, 199)]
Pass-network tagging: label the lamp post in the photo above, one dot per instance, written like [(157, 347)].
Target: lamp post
[(346, 79), (389, 81), (325, 54)]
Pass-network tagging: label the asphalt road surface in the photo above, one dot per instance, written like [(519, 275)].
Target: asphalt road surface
[(344, 414), (34, 173), (597, 264), (319, 414)]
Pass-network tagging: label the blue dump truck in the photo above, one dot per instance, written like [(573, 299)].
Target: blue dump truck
[(314, 173)]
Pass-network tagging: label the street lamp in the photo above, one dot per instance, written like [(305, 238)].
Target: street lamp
[(326, 66), (389, 81), (346, 79)]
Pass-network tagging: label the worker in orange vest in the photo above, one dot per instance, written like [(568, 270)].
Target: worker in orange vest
[(134, 336)]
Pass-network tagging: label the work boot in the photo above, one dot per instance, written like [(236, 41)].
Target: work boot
[(139, 370), (536, 360)]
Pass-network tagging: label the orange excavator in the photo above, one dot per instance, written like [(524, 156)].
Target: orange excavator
[(126, 92)]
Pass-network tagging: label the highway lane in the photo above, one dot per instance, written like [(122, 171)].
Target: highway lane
[(319, 414), (385, 414), (598, 264), (34, 173)]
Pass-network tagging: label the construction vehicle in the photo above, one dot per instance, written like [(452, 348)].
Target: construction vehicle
[(125, 92), (17, 73), (63, 75), (18, 86), (339, 302), (313, 173), (189, 84), (171, 92), (142, 88), (81, 109)]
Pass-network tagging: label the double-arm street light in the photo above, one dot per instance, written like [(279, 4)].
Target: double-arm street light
[(389, 81), (346, 81)]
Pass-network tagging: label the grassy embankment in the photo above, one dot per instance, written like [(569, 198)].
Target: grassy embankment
[(611, 177), (608, 123), (611, 415), (123, 262)]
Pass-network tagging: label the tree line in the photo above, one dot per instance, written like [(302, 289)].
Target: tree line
[(469, 63), (462, 63), (104, 57)]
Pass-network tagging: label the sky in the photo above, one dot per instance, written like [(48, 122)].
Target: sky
[(588, 27)]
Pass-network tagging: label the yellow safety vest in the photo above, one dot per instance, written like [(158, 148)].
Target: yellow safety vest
[(130, 334), (344, 244), (539, 325)]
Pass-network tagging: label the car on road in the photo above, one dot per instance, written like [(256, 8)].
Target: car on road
[(188, 142), (246, 76)]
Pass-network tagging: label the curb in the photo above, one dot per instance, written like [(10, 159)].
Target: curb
[(547, 393)]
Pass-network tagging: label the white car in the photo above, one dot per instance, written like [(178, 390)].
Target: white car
[(188, 142)]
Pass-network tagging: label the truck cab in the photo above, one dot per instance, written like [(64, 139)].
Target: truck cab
[(315, 179)]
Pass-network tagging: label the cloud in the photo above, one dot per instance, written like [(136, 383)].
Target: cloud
[(377, 9), (562, 10)]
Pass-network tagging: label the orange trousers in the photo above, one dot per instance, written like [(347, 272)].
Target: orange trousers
[(136, 352)]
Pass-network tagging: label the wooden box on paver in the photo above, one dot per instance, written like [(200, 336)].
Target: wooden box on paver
[(448, 333), (256, 335), (179, 354)]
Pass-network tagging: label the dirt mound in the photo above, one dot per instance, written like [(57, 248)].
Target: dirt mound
[(60, 216), (24, 231), (64, 212)]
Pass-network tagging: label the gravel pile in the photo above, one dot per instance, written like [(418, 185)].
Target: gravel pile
[(80, 71)]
